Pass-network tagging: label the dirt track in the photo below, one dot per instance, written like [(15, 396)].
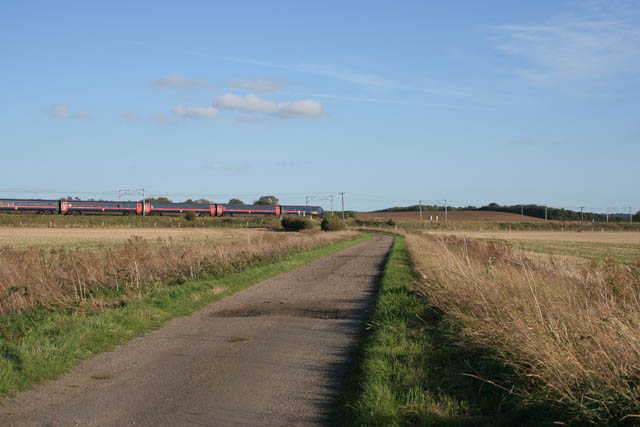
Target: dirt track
[(273, 354)]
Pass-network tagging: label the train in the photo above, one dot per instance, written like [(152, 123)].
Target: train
[(77, 207)]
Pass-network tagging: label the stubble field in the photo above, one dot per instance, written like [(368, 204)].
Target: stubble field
[(88, 237), (622, 247), (552, 236)]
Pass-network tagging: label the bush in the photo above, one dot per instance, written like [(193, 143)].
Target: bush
[(391, 222), (296, 223), (331, 223), (191, 216)]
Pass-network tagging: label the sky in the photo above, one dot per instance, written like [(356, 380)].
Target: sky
[(389, 102)]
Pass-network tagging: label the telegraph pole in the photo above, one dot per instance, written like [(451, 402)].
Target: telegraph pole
[(522, 212), (332, 205), (545, 213), (342, 194), (607, 211), (141, 190), (420, 203), (581, 214), (445, 209), (630, 215)]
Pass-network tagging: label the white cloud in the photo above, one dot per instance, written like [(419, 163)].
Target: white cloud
[(261, 84), (300, 109), (590, 44), (195, 112), (178, 81), (305, 109), (367, 80), (250, 104), (61, 111)]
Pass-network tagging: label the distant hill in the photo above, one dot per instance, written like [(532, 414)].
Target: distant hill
[(531, 210)]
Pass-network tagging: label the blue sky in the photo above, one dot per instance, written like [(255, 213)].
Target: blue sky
[(390, 102)]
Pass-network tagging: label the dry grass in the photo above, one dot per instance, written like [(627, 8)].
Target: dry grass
[(570, 330), (74, 277)]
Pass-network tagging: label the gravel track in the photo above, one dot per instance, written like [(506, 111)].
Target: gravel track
[(273, 354)]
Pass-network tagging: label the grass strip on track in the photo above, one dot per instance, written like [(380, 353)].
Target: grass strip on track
[(43, 344), (410, 368)]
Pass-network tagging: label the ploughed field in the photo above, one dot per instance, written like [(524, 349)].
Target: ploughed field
[(451, 216), (88, 237)]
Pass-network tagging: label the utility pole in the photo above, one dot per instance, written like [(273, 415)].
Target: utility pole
[(607, 211), (545, 213), (332, 205), (581, 214), (445, 210), (141, 190), (522, 212), (630, 215), (342, 194), (420, 204)]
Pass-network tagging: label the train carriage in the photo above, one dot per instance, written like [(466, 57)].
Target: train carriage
[(231, 210), (91, 207), (181, 208), (32, 205), (302, 210)]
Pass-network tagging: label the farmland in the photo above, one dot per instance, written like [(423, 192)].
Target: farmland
[(451, 216), (94, 237), (623, 247), (552, 236)]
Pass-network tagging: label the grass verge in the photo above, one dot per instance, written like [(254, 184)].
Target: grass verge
[(410, 368), (44, 343)]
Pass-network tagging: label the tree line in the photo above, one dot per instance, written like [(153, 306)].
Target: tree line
[(532, 210)]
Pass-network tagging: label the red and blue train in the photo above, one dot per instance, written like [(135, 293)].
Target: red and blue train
[(65, 207)]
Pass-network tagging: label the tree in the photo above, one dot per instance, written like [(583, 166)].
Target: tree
[(267, 200), (636, 217), (199, 201), (157, 200), (236, 202)]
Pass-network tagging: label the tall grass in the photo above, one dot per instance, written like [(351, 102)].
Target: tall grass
[(569, 331), (72, 276)]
